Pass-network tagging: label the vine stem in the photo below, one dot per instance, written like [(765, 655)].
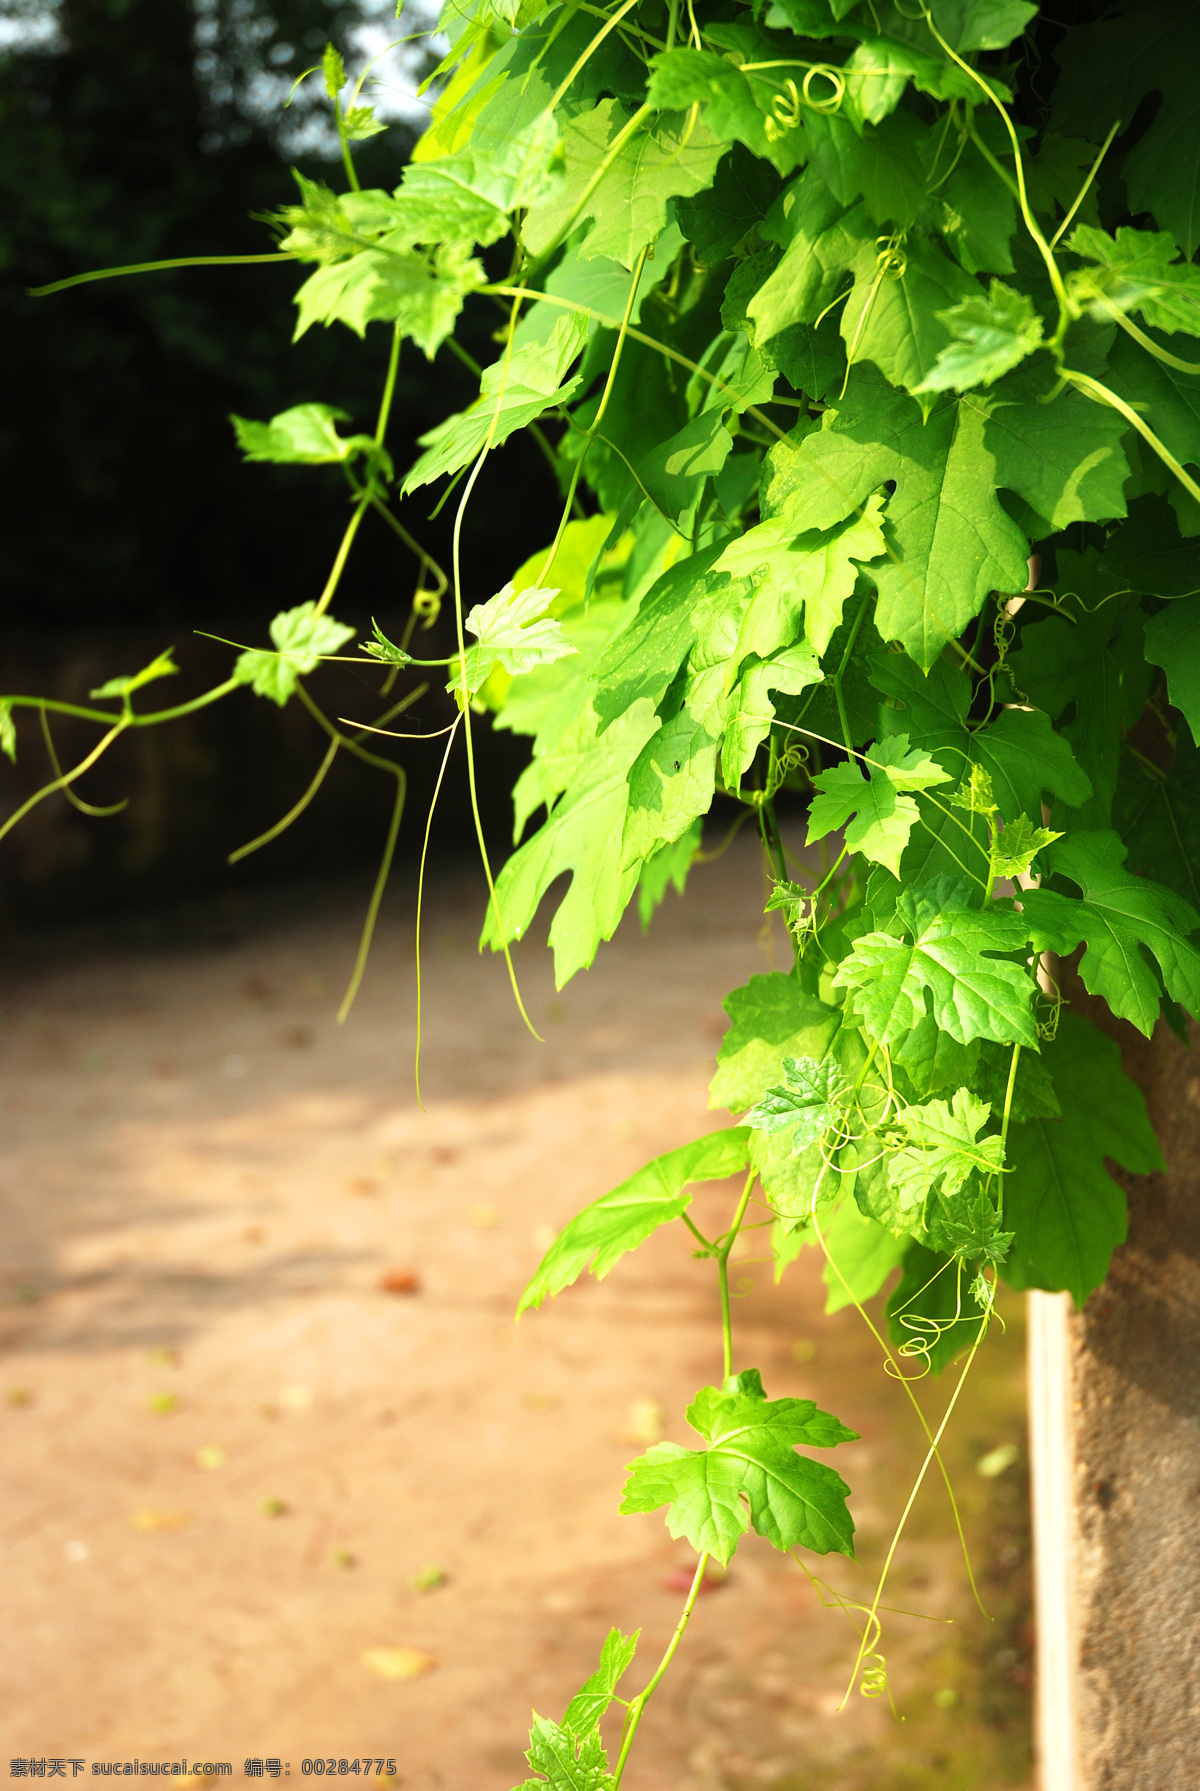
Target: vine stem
[(932, 1453), (723, 1272), (64, 778), (464, 693), (433, 802), (157, 267), (634, 1714)]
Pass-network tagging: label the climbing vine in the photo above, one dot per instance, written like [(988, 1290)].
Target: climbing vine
[(860, 340)]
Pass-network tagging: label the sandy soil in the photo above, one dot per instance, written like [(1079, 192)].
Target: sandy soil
[(231, 1452)]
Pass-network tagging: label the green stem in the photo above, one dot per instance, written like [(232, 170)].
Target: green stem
[(347, 158), (156, 267), (1095, 389), (723, 1274), (65, 778), (638, 1705), (437, 790), (343, 553)]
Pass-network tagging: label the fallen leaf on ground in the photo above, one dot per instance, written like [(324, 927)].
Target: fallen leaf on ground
[(153, 1518), (273, 1507), (400, 1281), (211, 1455), (163, 1403), (397, 1663), (429, 1578)]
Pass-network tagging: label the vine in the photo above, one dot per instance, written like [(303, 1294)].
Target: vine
[(827, 323)]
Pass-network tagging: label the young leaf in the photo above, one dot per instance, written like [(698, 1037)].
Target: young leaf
[(596, 1694), (1017, 845), (771, 1017), (1173, 641), (568, 1763), (514, 391), (360, 122), (884, 816), (1117, 917), (751, 1462), (512, 630), (990, 337), (623, 1219), (1067, 1212), (162, 667), (382, 648), (975, 995), (804, 1105), (302, 639), (302, 436), (944, 1150), (334, 70)]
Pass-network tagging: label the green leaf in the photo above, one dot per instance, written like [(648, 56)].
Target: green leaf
[(303, 436), (1118, 918), (1167, 398), (976, 212), (515, 390), (582, 834), (944, 1150), (1173, 641), (1017, 845), (862, 1254), (791, 671), (1067, 1212), (981, 24), (302, 639), (628, 200), (990, 337), (881, 162), (821, 241), (668, 866), (804, 1105), (512, 630), (8, 733), (797, 573), (596, 1694), (671, 785), (949, 954), (933, 1314), (1090, 658), (1159, 818), (1147, 553), (771, 1018), (884, 816), (1064, 457), (718, 219), (619, 1221), (1108, 70), (162, 667), (674, 474), (951, 541), (568, 1763), (681, 78), (793, 1501), (424, 296), (899, 319), (643, 657), (360, 122), (1137, 270), (471, 194)]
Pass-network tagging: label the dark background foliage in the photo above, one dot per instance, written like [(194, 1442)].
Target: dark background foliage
[(150, 129)]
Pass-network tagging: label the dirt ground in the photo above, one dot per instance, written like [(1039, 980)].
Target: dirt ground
[(237, 1465)]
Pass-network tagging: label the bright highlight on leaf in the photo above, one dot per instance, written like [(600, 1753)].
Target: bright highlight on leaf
[(595, 1238), (514, 631), (992, 336)]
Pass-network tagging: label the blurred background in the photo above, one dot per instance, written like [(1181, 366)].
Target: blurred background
[(282, 1478), (139, 130)]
